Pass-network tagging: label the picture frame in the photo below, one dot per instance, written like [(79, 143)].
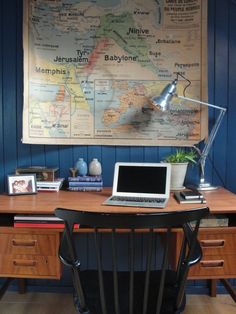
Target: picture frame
[(22, 184)]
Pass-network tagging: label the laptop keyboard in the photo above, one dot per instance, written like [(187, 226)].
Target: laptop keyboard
[(138, 199)]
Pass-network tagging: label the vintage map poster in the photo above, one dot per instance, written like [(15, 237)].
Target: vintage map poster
[(90, 67)]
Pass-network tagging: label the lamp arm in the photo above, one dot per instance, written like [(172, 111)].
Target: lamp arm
[(215, 128), (201, 102), (211, 137), (208, 144)]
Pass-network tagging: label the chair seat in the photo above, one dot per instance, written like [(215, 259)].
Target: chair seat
[(89, 282)]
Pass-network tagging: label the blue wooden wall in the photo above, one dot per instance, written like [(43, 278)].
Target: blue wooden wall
[(221, 166)]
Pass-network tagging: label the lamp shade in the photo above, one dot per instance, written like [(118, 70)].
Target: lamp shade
[(162, 101)]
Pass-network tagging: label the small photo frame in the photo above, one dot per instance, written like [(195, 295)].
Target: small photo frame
[(22, 184)]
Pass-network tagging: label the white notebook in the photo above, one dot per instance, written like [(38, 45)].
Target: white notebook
[(140, 184)]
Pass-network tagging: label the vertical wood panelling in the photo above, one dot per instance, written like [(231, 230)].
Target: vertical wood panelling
[(65, 160), (221, 84), (221, 88), (211, 74), (221, 64), (9, 68), (51, 155), (151, 154), (136, 153), (1, 104), (123, 153), (108, 160), (38, 155), (231, 143), (23, 151)]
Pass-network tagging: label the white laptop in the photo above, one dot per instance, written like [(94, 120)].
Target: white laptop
[(140, 184)]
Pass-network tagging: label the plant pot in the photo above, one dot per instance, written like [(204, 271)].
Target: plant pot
[(178, 173)]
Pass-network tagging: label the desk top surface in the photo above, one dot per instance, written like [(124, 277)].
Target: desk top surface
[(219, 201)]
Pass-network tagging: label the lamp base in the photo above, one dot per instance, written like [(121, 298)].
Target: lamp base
[(206, 187)]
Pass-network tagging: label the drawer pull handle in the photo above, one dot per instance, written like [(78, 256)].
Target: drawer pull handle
[(217, 263), (16, 242), (212, 243), (24, 263)]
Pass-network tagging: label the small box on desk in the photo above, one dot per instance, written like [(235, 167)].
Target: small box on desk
[(42, 173)]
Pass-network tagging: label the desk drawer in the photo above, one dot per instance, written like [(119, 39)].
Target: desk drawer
[(218, 265), (39, 244), (218, 243), (29, 266)]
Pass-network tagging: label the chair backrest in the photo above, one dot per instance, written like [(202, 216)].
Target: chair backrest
[(152, 290)]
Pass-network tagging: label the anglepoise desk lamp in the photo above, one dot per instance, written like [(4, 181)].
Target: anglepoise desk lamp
[(162, 102)]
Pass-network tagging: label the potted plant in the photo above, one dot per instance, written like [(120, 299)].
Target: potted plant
[(179, 162)]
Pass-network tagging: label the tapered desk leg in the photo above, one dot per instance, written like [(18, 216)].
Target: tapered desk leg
[(212, 287), (229, 288), (21, 283)]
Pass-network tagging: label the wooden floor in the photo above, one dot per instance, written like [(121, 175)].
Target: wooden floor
[(54, 303)]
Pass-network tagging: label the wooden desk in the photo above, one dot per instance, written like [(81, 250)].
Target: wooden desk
[(32, 253), (219, 201)]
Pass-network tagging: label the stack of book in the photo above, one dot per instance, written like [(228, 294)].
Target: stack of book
[(188, 197), (50, 186), (38, 221), (85, 183)]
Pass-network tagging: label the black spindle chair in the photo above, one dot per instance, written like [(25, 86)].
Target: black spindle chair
[(150, 290)]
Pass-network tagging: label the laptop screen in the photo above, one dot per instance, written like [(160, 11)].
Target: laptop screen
[(142, 179)]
